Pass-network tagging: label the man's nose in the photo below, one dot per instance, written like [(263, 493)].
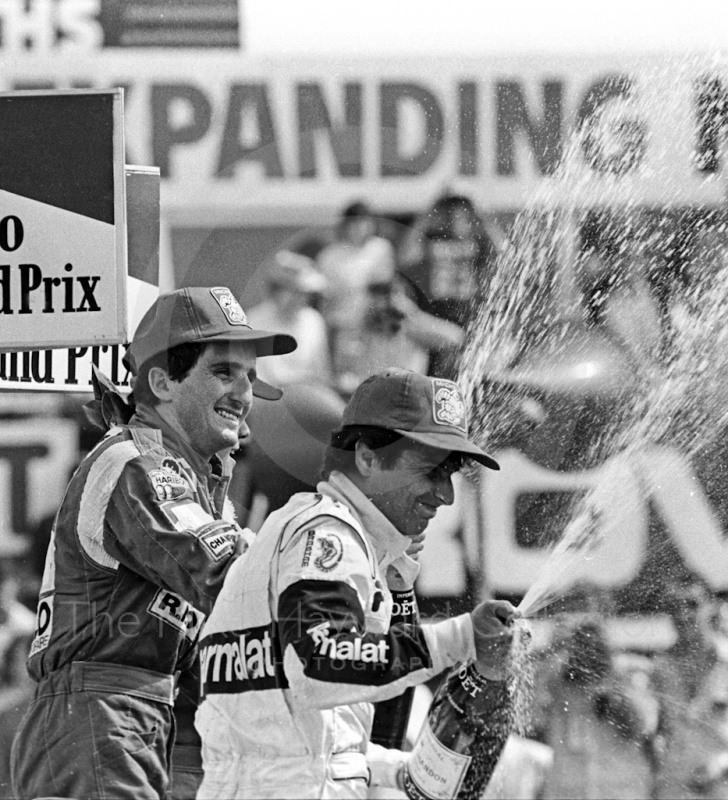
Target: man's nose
[(444, 490), (243, 390)]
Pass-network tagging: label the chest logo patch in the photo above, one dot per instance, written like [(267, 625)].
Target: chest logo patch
[(448, 406)]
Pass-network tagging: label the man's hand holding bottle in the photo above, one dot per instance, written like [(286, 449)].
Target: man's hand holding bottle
[(493, 633)]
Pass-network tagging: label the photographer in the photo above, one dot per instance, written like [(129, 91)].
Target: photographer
[(395, 332)]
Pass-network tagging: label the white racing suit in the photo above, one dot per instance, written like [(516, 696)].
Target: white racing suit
[(299, 646)]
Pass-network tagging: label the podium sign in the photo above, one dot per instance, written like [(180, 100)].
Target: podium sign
[(62, 220), (70, 369)]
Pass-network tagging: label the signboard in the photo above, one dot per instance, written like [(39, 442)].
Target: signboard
[(70, 369), (36, 458), (62, 219), (480, 528), (241, 139)]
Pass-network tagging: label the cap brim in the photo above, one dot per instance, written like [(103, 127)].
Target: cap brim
[(453, 443), (265, 391), (266, 343)]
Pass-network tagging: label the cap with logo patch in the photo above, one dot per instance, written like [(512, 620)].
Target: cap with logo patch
[(202, 314), (427, 410)]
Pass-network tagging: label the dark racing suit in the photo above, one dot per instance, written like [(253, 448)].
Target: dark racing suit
[(140, 547)]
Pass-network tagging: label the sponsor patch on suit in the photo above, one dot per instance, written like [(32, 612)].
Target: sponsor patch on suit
[(173, 610)]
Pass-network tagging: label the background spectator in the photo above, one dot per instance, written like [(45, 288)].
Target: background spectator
[(395, 332), (449, 255), (292, 283), (356, 259), (691, 681), (587, 712)]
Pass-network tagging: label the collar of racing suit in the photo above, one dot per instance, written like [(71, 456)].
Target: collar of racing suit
[(110, 407), (389, 544), (217, 467)]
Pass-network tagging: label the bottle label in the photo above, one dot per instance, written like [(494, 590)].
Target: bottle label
[(436, 771)]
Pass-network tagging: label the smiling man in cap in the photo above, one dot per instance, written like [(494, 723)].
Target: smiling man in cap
[(301, 643), (139, 550)]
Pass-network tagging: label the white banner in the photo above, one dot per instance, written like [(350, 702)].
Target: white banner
[(62, 219), (262, 140), (70, 369)]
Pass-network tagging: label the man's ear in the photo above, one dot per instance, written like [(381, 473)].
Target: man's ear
[(366, 460), (159, 383)]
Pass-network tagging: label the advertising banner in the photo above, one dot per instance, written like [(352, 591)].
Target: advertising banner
[(660, 480), (70, 369), (243, 139), (62, 219), (36, 457)]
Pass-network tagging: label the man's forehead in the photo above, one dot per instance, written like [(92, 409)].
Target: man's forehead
[(424, 455), (231, 351)]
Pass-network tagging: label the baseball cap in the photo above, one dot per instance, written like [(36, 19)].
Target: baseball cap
[(427, 410), (202, 314)]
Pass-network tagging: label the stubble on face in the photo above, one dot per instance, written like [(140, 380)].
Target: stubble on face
[(210, 404)]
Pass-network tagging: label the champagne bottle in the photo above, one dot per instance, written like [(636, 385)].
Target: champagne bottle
[(391, 717), (462, 738)]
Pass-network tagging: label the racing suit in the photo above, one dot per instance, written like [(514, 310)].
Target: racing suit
[(299, 646), (139, 549)]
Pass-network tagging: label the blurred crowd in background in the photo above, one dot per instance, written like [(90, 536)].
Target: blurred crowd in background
[(608, 720)]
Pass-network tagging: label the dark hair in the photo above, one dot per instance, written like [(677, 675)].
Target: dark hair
[(340, 453), (176, 362)]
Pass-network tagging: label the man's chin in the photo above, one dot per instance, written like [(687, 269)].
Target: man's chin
[(417, 530)]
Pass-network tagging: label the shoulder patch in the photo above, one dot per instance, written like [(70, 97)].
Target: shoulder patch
[(219, 539), (169, 482), (323, 551)]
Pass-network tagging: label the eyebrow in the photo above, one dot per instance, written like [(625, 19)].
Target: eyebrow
[(226, 361)]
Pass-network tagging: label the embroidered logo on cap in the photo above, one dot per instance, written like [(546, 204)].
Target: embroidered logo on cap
[(229, 305), (448, 406)]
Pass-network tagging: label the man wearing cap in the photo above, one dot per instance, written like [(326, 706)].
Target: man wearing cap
[(140, 547), (299, 644)]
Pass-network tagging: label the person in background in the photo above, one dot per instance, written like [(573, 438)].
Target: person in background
[(284, 455), (350, 264), (594, 718), (449, 255), (299, 644), (691, 680), (292, 283), (397, 333), (139, 549)]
